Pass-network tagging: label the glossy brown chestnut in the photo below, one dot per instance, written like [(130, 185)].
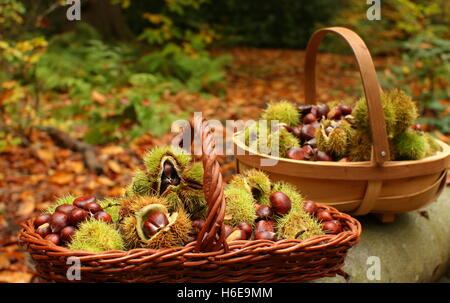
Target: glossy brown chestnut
[(281, 204), (247, 228), (155, 222), (308, 132), (322, 110), (54, 238), (345, 110), (295, 153), (42, 219), (264, 225), (263, 212), (103, 216), (309, 118), (310, 207), (227, 230), (83, 200), (236, 235), (304, 109), (44, 230), (67, 233), (197, 225), (93, 207), (58, 221), (78, 215), (322, 156), (65, 208), (332, 227), (297, 131), (335, 113), (323, 215), (265, 235)]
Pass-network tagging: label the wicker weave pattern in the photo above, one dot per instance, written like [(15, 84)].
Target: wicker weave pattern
[(210, 258)]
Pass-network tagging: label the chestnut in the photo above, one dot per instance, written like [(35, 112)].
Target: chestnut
[(247, 228), (328, 130), (332, 227), (54, 238), (308, 132), (103, 216), (322, 110), (93, 207), (83, 200), (265, 235), (67, 233), (155, 222), (227, 230), (168, 169), (335, 113), (281, 204), (345, 110), (295, 153), (288, 128), (58, 221), (77, 215), (310, 207), (312, 143), (236, 235), (264, 225), (65, 208), (309, 118), (263, 212), (417, 127), (44, 230), (42, 219), (323, 215), (323, 156), (297, 131), (304, 109), (197, 225)]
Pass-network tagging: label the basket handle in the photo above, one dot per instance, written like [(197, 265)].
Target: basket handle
[(372, 88), (212, 235)]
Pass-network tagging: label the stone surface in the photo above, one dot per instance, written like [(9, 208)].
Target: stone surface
[(414, 248)]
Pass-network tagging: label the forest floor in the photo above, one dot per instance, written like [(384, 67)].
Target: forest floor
[(32, 177)]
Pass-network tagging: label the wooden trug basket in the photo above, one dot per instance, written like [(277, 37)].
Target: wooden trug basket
[(209, 258), (378, 186)]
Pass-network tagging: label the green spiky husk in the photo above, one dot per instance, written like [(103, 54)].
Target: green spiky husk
[(96, 236), (112, 207), (259, 184), (432, 145), (297, 220), (240, 206), (283, 111), (360, 148), (405, 109), (336, 143), (362, 121), (140, 185), (66, 199), (286, 141), (193, 174), (410, 145), (154, 157)]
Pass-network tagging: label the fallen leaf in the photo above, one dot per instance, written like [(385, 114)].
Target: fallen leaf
[(114, 166), (112, 150), (27, 205), (4, 262), (98, 97), (61, 177), (45, 155), (105, 181), (75, 166), (9, 276)]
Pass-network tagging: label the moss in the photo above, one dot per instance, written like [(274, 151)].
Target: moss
[(96, 236), (66, 199), (240, 206), (360, 148), (410, 145), (283, 111), (290, 225), (362, 120)]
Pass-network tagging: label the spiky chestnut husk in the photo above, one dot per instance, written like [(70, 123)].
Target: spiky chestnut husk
[(410, 145), (193, 174), (296, 221), (140, 185), (66, 199), (283, 111), (405, 109), (290, 190), (96, 236), (193, 199), (240, 206), (286, 141), (360, 148), (336, 142), (432, 145), (361, 116), (112, 207), (256, 182), (135, 211)]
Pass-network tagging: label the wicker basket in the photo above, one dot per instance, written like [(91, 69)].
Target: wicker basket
[(209, 260), (379, 186)]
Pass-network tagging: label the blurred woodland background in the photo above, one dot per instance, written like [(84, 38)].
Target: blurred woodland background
[(80, 101)]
